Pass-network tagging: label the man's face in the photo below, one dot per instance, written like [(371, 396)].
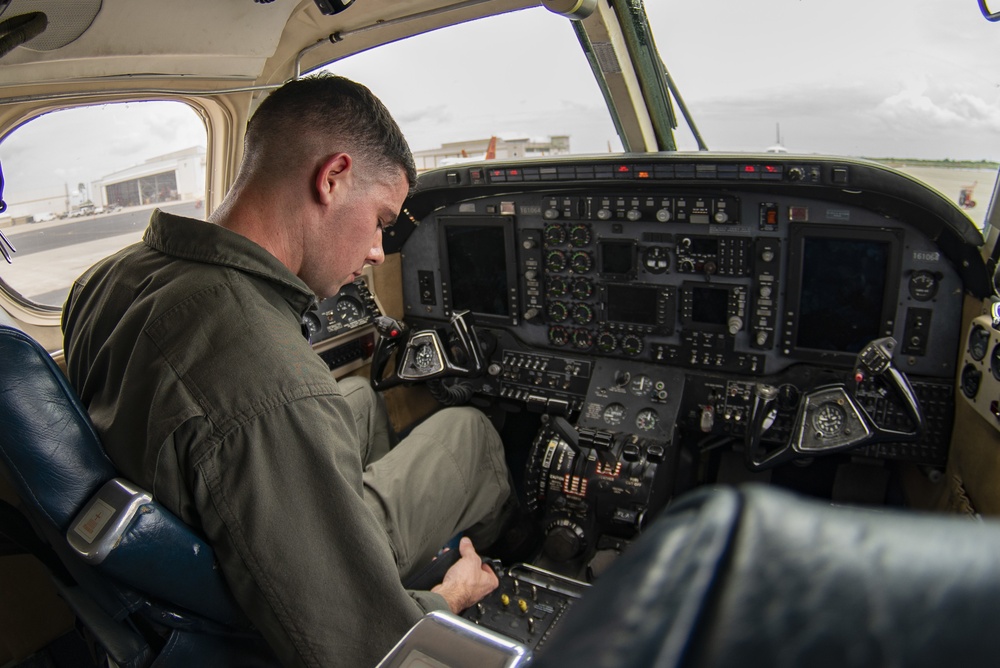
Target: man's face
[(352, 236)]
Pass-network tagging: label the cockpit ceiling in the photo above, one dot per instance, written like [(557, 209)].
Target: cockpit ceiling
[(241, 40)]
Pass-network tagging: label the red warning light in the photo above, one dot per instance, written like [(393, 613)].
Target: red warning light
[(750, 169), (624, 169), (771, 169), (513, 172)]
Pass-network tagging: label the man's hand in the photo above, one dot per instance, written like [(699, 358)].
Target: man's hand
[(468, 580)]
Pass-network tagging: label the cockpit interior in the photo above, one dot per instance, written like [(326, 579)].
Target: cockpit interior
[(749, 399)]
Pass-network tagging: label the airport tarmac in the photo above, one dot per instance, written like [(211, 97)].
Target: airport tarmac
[(949, 182)]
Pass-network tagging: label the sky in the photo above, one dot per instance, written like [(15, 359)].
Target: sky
[(883, 78)]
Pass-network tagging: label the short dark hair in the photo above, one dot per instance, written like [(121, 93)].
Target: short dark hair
[(338, 108)]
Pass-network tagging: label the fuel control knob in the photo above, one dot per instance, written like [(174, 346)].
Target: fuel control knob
[(564, 540)]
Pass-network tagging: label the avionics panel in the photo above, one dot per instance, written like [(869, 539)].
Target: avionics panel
[(478, 268), (795, 280), (843, 289)]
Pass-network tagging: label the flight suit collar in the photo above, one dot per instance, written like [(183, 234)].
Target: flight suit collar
[(200, 241)]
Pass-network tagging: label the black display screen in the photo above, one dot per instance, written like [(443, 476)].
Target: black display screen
[(479, 261), (617, 257), (630, 304), (709, 306), (843, 292)]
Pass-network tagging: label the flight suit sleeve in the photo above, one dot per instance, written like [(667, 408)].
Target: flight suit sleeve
[(280, 497)]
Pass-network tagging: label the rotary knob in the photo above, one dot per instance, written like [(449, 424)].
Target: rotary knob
[(564, 541), (663, 215)]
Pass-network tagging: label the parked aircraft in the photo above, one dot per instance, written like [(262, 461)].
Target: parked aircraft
[(489, 154), (750, 401)]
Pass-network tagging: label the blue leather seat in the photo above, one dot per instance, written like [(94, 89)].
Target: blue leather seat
[(144, 584)]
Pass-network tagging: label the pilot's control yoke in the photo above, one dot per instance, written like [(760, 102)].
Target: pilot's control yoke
[(831, 418)]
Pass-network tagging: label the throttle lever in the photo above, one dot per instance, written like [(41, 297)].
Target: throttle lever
[(393, 330), (875, 361), (763, 398), (392, 333)]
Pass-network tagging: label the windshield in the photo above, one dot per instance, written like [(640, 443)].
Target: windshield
[(912, 85), (916, 87), (521, 77)]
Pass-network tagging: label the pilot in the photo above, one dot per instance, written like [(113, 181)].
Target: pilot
[(187, 349)]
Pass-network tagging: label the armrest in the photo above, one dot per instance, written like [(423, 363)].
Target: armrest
[(126, 535)]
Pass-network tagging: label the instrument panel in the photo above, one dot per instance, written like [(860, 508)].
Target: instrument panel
[(340, 327), (654, 313), (724, 273), (632, 277)]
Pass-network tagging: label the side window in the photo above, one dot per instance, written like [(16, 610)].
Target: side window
[(81, 183)]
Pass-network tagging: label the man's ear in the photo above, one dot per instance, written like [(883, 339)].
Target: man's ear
[(335, 172)]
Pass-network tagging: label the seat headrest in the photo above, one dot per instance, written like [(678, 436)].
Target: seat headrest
[(756, 576), (52, 454)]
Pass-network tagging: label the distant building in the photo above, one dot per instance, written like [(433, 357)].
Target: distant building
[(174, 176), (475, 149)]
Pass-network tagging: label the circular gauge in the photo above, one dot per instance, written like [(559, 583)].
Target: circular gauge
[(582, 339), (556, 287), (555, 234), (558, 336), (424, 357), (923, 285), (614, 414), (582, 314), (348, 309), (582, 288), (828, 420), (581, 262), (555, 261), (647, 420), (311, 322), (979, 342), (971, 377), (641, 385), (606, 342), (579, 235), (995, 361)]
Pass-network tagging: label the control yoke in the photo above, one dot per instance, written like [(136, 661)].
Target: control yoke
[(426, 354), (831, 418)]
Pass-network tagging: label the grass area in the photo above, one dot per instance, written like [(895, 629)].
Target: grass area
[(953, 164)]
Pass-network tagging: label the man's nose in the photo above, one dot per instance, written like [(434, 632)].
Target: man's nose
[(376, 255)]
